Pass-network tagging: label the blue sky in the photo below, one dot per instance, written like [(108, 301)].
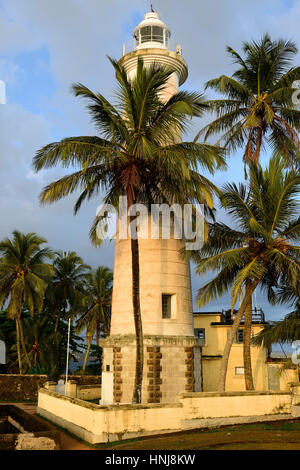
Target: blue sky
[(45, 46)]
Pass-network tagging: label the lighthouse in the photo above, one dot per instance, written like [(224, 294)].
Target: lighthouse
[(172, 354)]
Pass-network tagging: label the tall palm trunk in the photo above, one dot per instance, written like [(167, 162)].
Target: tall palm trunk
[(256, 154), (21, 332), (135, 269), (19, 346), (23, 343), (57, 322), (232, 333), (135, 265), (89, 342), (247, 347)]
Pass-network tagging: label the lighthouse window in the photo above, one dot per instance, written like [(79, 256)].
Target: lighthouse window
[(146, 34), (157, 34), (152, 33), (166, 305)]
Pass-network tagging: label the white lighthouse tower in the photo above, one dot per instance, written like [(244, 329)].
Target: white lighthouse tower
[(172, 354)]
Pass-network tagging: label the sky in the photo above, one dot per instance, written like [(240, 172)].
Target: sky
[(47, 45)]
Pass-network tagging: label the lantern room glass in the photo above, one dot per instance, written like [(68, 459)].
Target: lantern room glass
[(151, 34)]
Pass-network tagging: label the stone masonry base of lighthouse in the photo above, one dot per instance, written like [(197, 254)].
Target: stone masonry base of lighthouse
[(172, 365)]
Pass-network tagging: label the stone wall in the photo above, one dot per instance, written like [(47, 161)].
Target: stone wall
[(16, 387), (88, 392), (84, 379), (172, 364), (96, 424)]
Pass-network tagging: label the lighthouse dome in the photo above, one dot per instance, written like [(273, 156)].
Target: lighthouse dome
[(151, 32)]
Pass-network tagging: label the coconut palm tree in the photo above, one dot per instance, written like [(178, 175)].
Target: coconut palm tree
[(137, 156), (261, 251), (67, 285), (23, 279), (257, 109), (97, 303), (286, 330)]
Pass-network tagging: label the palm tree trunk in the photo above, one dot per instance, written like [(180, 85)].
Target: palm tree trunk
[(57, 322), (247, 348), (224, 363), (22, 332), (23, 342), (90, 339), (135, 267), (256, 154), (19, 347)]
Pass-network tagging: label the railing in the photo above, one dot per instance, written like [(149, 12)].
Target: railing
[(228, 316), (170, 44)]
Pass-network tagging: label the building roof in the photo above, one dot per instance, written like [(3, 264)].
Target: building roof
[(207, 313)]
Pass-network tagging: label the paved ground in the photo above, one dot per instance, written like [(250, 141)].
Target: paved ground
[(281, 435)]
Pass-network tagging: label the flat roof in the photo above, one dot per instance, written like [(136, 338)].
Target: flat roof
[(207, 313)]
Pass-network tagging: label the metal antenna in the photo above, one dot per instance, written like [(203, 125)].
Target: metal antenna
[(151, 6)]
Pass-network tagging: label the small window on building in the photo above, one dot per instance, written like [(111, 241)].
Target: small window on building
[(199, 333), (240, 336), (239, 371), (166, 305)]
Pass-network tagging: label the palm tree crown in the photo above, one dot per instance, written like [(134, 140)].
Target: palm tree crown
[(138, 154), (24, 274), (66, 287), (24, 271), (258, 107)]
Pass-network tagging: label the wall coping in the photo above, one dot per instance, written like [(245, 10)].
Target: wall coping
[(233, 394), (151, 340), (121, 406), (89, 386)]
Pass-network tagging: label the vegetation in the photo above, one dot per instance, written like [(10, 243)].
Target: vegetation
[(39, 298), (67, 285), (24, 273), (97, 301), (258, 108), (256, 113), (261, 251)]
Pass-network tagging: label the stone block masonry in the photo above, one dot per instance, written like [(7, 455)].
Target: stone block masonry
[(171, 366), (117, 370), (154, 368), (17, 387)]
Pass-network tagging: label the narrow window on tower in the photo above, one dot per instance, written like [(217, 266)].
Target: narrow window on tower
[(166, 305)]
